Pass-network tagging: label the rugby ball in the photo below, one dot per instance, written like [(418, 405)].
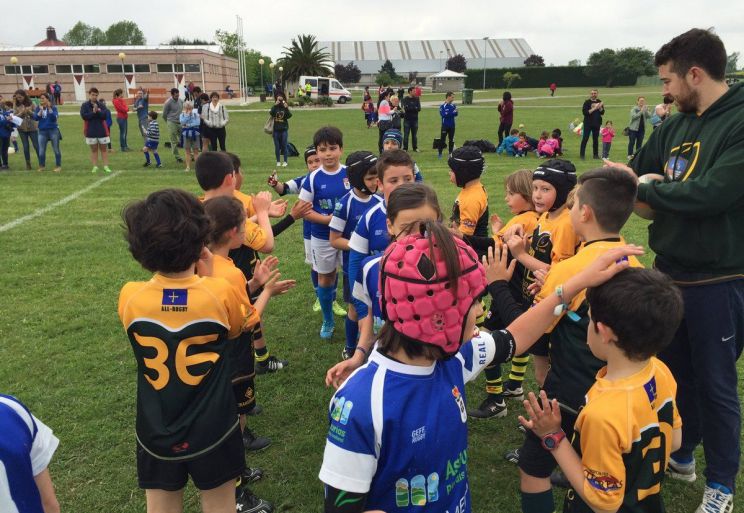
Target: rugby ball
[(640, 208)]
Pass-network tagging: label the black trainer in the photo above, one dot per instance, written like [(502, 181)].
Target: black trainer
[(247, 502), (271, 364), (512, 456), (146, 164), (491, 407), (250, 475), (253, 442)]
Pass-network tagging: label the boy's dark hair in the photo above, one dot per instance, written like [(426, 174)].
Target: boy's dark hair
[(166, 231), (506, 96), (225, 213), (642, 306), (152, 115), (412, 195), (211, 168), (448, 94), (696, 47), (93, 90), (514, 131), (174, 90), (611, 193), (393, 158), (328, 135), (411, 89), (236, 163)]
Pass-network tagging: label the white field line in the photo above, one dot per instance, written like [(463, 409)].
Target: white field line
[(43, 210)]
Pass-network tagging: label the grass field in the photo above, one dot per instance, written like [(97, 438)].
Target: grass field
[(64, 352)]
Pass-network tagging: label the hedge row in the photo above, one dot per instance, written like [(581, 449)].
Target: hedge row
[(534, 76)]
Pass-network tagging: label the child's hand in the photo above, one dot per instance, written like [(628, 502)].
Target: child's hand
[(455, 230), (262, 271), (515, 229), (278, 208), (496, 224), (337, 374), (278, 287), (262, 202), (300, 209), (536, 286), (497, 268), (205, 264), (273, 181), (605, 267), (517, 245), (545, 415)]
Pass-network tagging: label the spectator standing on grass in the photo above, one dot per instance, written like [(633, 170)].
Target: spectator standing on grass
[(411, 109), (216, 118), (506, 115), (384, 118), (637, 126), (57, 93), (608, 134), (593, 110), (448, 113), (553, 87), (172, 109), (141, 107), (46, 115), (95, 129), (28, 130), (696, 235), (280, 113), (122, 118)]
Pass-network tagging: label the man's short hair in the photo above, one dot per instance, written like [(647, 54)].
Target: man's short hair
[(328, 135), (642, 306), (93, 90), (166, 231), (174, 91), (696, 47), (611, 193), (393, 158), (211, 168)]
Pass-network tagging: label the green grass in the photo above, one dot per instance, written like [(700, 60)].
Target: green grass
[(64, 352)]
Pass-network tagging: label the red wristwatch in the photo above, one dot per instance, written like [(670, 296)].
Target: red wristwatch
[(552, 440)]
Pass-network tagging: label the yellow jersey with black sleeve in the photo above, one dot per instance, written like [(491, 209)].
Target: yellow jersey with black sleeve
[(624, 437), (527, 219), (573, 367), (553, 240), (470, 211), (223, 267), (179, 330)]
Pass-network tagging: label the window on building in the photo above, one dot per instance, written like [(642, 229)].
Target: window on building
[(40, 69), (91, 68), (178, 68), (165, 68), (192, 68), (117, 68), (63, 69), (142, 68), (77, 68)]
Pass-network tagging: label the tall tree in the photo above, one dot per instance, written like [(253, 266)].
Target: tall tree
[(510, 78), (229, 42), (574, 62), (387, 70), (636, 61), (534, 60), (82, 34), (457, 63), (124, 32), (349, 74), (609, 64), (732, 62), (304, 57)]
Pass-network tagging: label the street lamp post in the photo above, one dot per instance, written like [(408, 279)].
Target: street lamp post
[(281, 76), (485, 42), (123, 56), (261, 63), (271, 67), (14, 62)]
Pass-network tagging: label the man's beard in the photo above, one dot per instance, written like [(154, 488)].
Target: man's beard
[(688, 101)]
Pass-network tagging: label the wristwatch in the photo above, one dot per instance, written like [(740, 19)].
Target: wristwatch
[(552, 440)]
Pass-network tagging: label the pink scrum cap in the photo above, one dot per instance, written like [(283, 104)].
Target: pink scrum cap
[(417, 299)]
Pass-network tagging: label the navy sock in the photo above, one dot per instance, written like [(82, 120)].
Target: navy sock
[(352, 333), (537, 502), (325, 295), (147, 156), (157, 157)]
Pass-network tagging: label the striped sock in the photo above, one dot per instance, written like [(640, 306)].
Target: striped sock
[(262, 354), (518, 368)]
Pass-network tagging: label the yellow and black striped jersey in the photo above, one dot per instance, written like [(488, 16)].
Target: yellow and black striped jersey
[(470, 211), (180, 330), (226, 269), (624, 437)]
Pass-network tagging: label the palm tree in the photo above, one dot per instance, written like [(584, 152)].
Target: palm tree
[(303, 57)]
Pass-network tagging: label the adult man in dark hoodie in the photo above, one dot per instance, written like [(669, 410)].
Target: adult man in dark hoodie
[(411, 108), (593, 110), (697, 236)]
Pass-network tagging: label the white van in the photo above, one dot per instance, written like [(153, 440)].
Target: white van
[(323, 86)]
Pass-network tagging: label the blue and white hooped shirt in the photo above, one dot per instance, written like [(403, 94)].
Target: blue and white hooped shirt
[(323, 190), (370, 236), (399, 432), (346, 215), (367, 290), (293, 187)]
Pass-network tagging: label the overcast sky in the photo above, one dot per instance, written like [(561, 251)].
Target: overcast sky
[(558, 30)]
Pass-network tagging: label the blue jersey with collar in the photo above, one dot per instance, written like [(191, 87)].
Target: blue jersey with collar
[(26, 447), (370, 236), (346, 215), (293, 187), (367, 290), (323, 190), (399, 432), (448, 112)]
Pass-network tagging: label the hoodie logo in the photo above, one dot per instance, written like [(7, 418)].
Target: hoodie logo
[(682, 161)]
